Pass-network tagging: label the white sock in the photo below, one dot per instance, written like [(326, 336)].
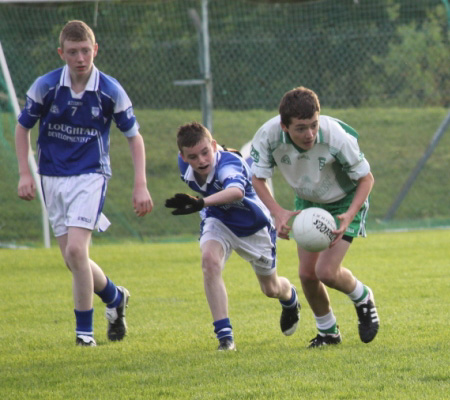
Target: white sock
[(357, 292), (325, 322)]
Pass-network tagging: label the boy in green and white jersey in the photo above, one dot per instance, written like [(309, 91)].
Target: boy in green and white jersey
[(319, 157)]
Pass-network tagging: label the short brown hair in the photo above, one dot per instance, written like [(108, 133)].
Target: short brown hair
[(190, 134), (301, 103), (76, 31)]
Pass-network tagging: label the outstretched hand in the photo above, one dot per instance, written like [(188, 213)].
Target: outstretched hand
[(282, 218), (184, 204)]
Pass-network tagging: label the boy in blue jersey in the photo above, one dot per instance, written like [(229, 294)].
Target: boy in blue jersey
[(75, 105), (233, 218), (319, 157)]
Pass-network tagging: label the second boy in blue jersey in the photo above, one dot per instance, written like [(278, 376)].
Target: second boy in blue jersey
[(233, 218)]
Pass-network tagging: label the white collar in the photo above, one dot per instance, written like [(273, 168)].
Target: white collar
[(92, 83)]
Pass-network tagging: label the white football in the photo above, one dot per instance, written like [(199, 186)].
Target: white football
[(312, 229)]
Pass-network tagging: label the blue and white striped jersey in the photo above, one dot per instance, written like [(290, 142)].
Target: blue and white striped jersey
[(244, 217), (74, 128)]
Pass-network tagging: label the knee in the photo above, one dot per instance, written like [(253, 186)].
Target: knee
[(211, 264), (326, 276), (270, 290), (308, 276), (72, 254)]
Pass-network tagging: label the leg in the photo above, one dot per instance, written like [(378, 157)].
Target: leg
[(74, 247), (212, 265), (340, 278), (98, 275), (89, 277), (280, 288), (317, 297), (329, 269), (66, 197), (116, 300), (213, 258), (275, 286), (314, 290)]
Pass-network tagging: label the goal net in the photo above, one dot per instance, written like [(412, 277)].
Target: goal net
[(16, 216)]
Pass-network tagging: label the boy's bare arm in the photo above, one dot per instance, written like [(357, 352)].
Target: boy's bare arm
[(142, 201), (280, 215), (363, 190), (27, 186)]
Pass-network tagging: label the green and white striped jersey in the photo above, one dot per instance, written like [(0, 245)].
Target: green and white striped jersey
[(324, 174)]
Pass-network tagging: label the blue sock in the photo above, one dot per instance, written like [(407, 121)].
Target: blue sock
[(292, 302), (84, 322), (110, 295), (223, 328)]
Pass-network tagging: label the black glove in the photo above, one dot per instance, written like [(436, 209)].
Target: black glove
[(185, 204), (231, 150)]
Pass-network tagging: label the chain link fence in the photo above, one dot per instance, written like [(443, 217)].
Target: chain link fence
[(356, 54), (384, 52)]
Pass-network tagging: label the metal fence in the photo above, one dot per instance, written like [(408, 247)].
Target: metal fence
[(384, 51)]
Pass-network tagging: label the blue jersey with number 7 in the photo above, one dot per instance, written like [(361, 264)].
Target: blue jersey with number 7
[(74, 127)]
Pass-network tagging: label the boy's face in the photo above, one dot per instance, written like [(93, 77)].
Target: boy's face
[(303, 132), (79, 57), (201, 156)]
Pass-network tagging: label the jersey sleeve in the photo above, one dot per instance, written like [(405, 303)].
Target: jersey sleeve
[(261, 153), (182, 166), (34, 104), (349, 155), (123, 113), (232, 171), (353, 161)]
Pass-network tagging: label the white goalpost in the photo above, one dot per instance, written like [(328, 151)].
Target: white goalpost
[(31, 160)]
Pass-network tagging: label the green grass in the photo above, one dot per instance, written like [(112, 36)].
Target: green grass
[(393, 141), (170, 350)]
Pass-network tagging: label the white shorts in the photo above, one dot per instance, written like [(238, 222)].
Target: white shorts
[(258, 249), (75, 201)]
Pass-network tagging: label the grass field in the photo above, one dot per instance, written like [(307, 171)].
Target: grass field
[(170, 350)]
